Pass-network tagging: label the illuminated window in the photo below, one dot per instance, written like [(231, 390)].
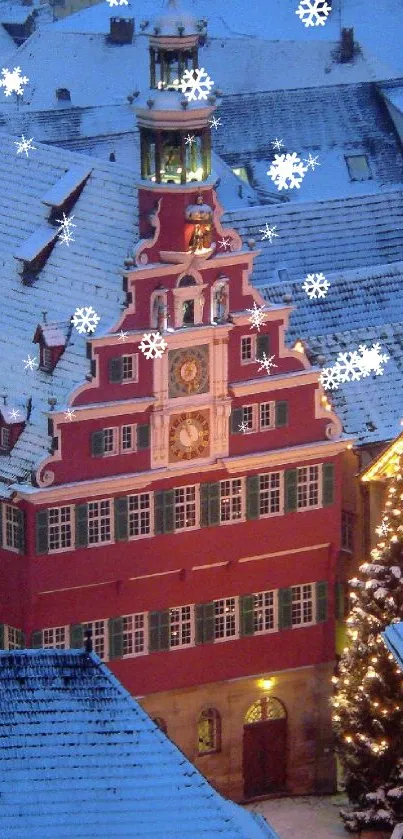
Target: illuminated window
[(209, 731), (302, 605), (231, 500), (225, 619), (135, 634), (265, 611), (181, 626)]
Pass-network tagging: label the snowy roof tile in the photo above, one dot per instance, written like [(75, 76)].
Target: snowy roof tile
[(36, 243), (74, 737), (68, 183), (393, 637)]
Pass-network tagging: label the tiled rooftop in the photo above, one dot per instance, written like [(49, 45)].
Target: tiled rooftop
[(80, 759)]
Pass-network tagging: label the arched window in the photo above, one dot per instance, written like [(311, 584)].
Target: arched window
[(209, 731), (266, 708), (187, 280), (161, 724)]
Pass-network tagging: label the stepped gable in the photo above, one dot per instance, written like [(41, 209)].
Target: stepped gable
[(80, 757)]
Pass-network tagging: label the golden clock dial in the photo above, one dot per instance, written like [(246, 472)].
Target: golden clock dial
[(188, 371), (189, 436)]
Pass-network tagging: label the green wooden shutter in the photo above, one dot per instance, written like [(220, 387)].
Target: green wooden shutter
[(205, 613), (97, 444), (204, 505), (339, 601), (81, 525), (42, 532), (20, 639), (284, 608), (214, 503), (159, 511), (115, 368), (21, 531), (236, 419), (121, 522), (327, 484), (115, 629), (37, 640), (76, 636), (281, 414), (262, 345), (169, 511), (290, 487), (321, 602), (158, 623), (246, 604), (143, 436), (2, 636), (252, 497)]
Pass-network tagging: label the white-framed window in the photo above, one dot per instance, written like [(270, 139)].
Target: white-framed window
[(99, 637), (231, 500), (130, 367), (185, 507), (5, 438), (181, 626), (128, 441), (271, 494), (302, 604), (46, 358), (56, 638), (139, 510), (267, 415), (12, 638), (60, 528), (135, 636), (226, 622), (347, 531), (250, 417), (265, 615), (12, 530), (248, 349), (99, 522), (110, 441), (308, 487)]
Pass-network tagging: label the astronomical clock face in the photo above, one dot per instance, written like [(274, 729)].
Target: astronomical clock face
[(188, 371), (189, 435)]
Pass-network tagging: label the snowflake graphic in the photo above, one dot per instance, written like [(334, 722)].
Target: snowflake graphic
[(224, 243), (266, 363), (277, 144), (13, 81), (30, 363), (287, 171), (268, 232), (348, 367), (85, 319), (313, 12), (24, 145), (371, 360), (65, 229), (116, 3), (383, 528), (316, 285), (153, 345), (352, 366), (15, 413), (311, 162), (244, 427), (70, 415), (196, 84), (215, 122), (189, 139), (329, 378), (122, 335), (257, 316)]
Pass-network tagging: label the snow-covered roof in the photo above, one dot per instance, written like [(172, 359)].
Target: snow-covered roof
[(361, 307), (7, 46), (393, 637), (175, 16), (82, 759)]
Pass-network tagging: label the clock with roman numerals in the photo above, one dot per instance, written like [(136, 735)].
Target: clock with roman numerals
[(188, 371), (189, 435)]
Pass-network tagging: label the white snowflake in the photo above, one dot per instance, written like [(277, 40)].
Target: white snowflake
[(70, 415), (224, 243), (116, 3), (257, 316), (311, 162), (153, 345), (196, 84), (371, 359), (189, 139), (13, 81), (215, 122), (15, 413), (122, 335), (24, 145), (266, 363), (85, 319), (348, 367), (313, 12), (316, 285), (244, 427), (329, 378), (277, 144), (30, 363), (287, 171), (268, 232), (65, 229)]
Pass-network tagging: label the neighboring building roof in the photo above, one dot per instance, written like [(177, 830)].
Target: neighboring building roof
[(362, 307), (383, 467), (7, 46), (393, 638), (80, 758)]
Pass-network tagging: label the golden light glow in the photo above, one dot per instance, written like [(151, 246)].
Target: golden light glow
[(266, 684)]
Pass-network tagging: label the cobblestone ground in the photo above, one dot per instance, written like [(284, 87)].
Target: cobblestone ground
[(305, 817)]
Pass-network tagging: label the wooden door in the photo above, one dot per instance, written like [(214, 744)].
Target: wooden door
[(264, 757)]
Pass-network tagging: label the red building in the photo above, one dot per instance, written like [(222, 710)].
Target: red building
[(189, 512)]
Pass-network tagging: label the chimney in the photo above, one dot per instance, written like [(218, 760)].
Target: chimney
[(121, 30), (347, 45)]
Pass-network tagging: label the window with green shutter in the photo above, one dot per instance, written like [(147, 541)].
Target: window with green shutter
[(205, 615), (236, 420), (115, 369), (327, 484), (252, 497), (121, 521), (321, 602), (143, 436), (262, 345), (20, 523), (281, 414), (284, 608), (290, 490), (158, 625), (339, 598), (164, 511), (76, 636), (37, 640), (81, 525), (42, 543), (97, 443), (115, 629), (246, 606), (209, 504)]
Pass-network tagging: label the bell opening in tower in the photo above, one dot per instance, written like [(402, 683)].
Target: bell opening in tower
[(174, 157), (168, 66)]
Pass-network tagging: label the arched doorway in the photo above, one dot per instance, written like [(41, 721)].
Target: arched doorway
[(264, 747)]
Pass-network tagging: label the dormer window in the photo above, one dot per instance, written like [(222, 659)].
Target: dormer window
[(46, 362), (5, 439), (52, 342)]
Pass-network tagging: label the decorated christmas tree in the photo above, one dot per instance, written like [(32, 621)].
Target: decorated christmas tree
[(368, 700)]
